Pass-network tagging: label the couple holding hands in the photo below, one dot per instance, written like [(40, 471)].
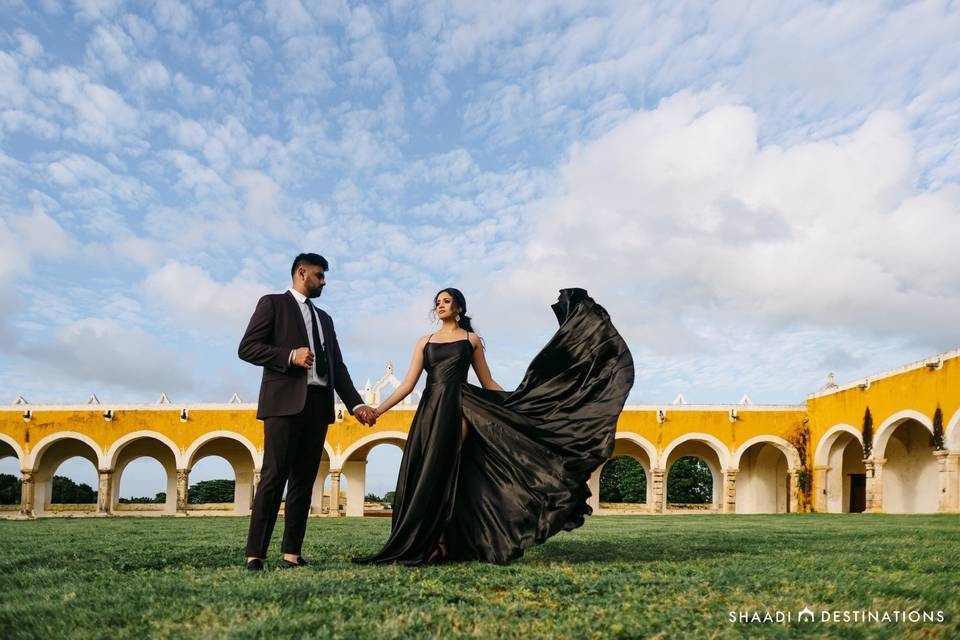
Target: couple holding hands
[(485, 473)]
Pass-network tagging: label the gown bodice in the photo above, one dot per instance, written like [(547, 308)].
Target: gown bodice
[(447, 362)]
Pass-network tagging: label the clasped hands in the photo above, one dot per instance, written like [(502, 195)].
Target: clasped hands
[(303, 357)]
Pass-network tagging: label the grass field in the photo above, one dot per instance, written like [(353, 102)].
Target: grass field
[(618, 576)]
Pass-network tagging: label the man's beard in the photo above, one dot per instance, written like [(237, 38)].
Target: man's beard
[(315, 293)]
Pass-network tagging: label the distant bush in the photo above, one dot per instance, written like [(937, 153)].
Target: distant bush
[(689, 481), (211, 492), (9, 489), (66, 491), (623, 480)]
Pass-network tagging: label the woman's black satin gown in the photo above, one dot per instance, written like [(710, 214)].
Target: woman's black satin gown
[(521, 474)]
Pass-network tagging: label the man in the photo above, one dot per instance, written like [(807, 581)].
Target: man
[(297, 347)]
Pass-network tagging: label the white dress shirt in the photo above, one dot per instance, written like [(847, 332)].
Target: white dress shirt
[(312, 377)]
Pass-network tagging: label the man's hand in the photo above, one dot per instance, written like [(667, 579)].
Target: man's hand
[(366, 415), (303, 357)]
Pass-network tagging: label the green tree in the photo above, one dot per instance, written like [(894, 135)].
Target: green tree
[(211, 492), (66, 491), (388, 498), (623, 480), (938, 429), (867, 433), (160, 498), (372, 497), (9, 489), (690, 482)]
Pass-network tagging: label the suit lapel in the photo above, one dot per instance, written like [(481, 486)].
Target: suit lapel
[(298, 315), (325, 327)]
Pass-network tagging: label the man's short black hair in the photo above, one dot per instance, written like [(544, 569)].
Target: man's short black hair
[(314, 259)]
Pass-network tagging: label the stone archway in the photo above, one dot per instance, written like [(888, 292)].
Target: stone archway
[(840, 472), (239, 454), (45, 460), (140, 445), (636, 448), (708, 449), (11, 452), (909, 476), (763, 480), (354, 467)]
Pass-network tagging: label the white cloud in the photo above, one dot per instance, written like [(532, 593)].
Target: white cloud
[(104, 351), (93, 10), (288, 16), (693, 213), (173, 15), (190, 295), (152, 76)]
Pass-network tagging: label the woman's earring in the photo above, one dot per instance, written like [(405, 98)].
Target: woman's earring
[(458, 317)]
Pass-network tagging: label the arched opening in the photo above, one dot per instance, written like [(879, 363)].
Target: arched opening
[(319, 499), (846, 475), (369, 474), (10, 479), (66, 479), (695, 483), (909, 476), (623, 483), (380, 481), (145, 478), (211, 467), (763, 480)]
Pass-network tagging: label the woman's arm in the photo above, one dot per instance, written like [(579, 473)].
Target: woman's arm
[(409, 380), (480, 364)]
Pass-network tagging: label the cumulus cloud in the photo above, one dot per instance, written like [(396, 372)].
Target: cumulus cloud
[(104, 351), (195, 300), (692, 213)]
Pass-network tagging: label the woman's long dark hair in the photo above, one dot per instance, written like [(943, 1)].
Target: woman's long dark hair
[(458, 301)]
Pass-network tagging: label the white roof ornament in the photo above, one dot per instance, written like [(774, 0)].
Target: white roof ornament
[(235, 399), (745, 400), (831, 383), (388, 378), (163, 399), (93, 399), (20, 400), (679, 399)]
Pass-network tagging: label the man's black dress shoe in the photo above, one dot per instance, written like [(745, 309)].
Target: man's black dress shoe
[(286, 564), (255, 564)]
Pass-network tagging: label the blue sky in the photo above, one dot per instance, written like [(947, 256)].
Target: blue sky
[(759, 193)]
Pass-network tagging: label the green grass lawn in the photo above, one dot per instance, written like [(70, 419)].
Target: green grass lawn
[(618, 576)]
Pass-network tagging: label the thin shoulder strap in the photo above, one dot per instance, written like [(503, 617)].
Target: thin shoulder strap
[(430, 337)]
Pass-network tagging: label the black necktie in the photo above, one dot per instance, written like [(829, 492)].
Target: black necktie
[(320, 359)]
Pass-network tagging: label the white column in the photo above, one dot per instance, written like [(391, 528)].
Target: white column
[(594, 485), (26, 493), (949, 472), (355, 472), (183, 483), (874, 485), (659, 491), (794, 497), (105, 492), (729, 498), (316, 501), (820, 486), (334, 493)]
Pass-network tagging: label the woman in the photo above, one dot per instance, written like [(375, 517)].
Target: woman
[(487, 473)]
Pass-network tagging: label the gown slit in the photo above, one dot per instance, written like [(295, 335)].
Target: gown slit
[(519, 473)]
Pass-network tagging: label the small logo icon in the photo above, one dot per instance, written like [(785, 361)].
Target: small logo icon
[(805, 615)]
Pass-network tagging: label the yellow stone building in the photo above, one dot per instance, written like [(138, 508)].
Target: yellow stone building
[(762, 458)]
